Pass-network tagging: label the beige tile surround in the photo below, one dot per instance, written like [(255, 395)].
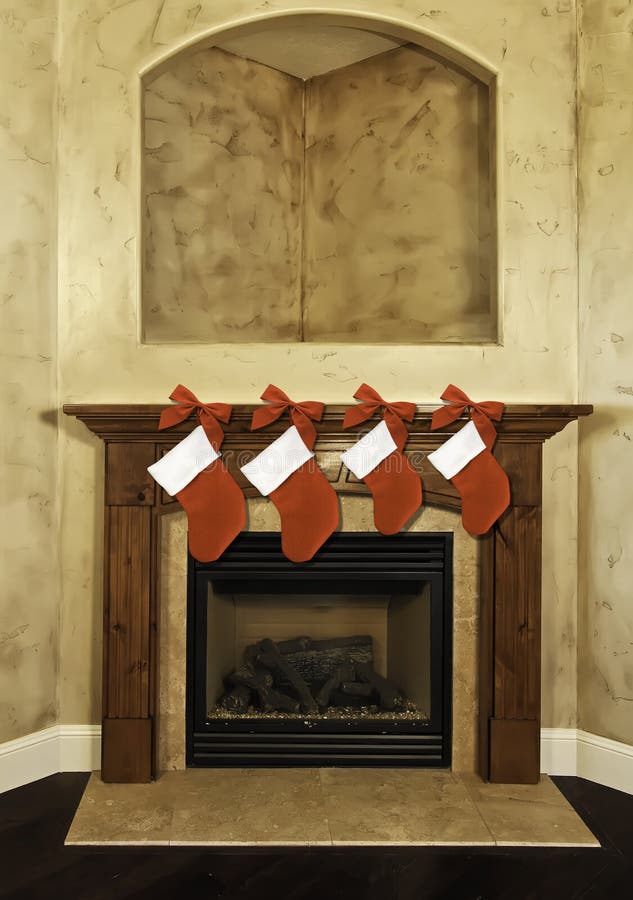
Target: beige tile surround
[(356, 515), (325, 807)]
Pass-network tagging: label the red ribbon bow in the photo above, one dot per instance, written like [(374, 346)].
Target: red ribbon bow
[(300, 413), (208, 414), (393, 413), (481, 413)]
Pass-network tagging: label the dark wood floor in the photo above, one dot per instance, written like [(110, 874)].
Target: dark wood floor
[(35, 864)]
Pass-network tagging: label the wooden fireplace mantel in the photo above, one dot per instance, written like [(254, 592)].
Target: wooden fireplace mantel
[(510, 584)]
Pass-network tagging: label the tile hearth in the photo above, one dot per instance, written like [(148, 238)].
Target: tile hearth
[(313, 807)]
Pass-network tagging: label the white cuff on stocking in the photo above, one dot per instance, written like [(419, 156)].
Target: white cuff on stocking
[(277, 462), (458, 451), (187, 459), (370, 451)]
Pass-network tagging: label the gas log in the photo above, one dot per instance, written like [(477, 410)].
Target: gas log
[(304, 675), (390, 696), (267, 654), (237, 699), (316, 661)]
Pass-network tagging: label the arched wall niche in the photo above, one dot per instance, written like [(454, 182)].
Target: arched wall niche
[(355, 204)]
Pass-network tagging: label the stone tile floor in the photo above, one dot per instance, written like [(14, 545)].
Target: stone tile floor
[(325, 807)]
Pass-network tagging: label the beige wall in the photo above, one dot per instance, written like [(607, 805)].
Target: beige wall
[(398, 232), (222, 185), (606, 369), (104, 47), (29, 593)]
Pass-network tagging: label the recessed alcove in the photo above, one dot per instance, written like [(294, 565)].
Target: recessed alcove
[(397, 624), (330, 185)]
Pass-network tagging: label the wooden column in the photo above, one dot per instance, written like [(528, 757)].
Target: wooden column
[(129, 614), (510, 654), (510, 645)]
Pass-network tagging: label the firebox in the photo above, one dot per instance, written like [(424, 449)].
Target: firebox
[(345, 660)]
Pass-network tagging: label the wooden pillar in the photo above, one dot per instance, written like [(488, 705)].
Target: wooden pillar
[(510, 652), (129, 614)]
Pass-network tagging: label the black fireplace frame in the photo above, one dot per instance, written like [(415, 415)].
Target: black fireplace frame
[(353, 561)]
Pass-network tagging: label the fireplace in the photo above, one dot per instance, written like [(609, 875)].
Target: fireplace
[(345, 660), (509, 690)]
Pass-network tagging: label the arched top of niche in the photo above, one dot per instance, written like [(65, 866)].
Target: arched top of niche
[(261, 221), (463, 57)]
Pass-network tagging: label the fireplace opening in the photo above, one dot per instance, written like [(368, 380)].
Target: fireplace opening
[(345, 660)]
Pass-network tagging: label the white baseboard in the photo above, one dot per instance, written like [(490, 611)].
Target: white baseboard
[(559, 751), (571, 751), (61, 748), (77, 748), (605, 761)]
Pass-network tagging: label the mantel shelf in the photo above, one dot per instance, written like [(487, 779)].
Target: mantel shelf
[(526, 422)]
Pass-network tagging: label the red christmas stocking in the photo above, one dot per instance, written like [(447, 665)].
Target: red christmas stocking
[(194, 473), (467, 461), (378, 460), (287, 472)]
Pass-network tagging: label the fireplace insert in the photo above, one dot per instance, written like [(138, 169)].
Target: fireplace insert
[(345, 660)]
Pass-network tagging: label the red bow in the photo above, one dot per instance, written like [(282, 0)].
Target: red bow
[(300, 413), (208, 414), (481, 413), (393, 413)]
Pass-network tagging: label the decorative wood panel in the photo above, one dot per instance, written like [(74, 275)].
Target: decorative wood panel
[(127, 623), (127, 745), (486, 647), (517, 627), (127, 480), (522, 464), (514, 751)]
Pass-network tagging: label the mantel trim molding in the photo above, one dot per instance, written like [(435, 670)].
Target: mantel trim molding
[(124, 422)]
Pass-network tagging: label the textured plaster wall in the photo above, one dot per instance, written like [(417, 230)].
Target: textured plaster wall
[(606, 368), (281, 210), (28, 547), (222, 184), (398, 233), (104, 46)]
